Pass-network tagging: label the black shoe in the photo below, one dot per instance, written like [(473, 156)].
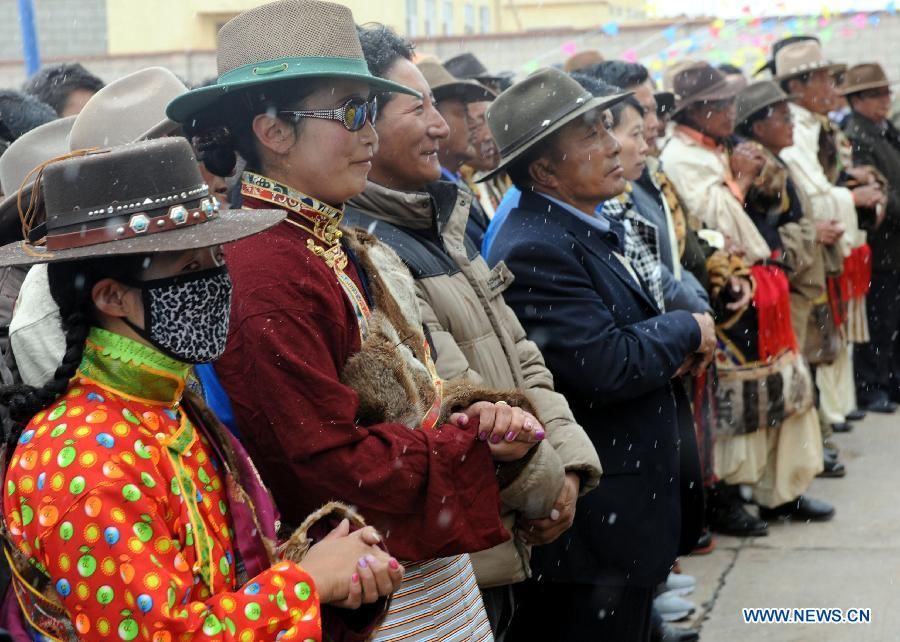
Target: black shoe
[(830, 453), (833, 468), (803, 509), (735, 520), (881, 405), (856, 415), (841, 427)]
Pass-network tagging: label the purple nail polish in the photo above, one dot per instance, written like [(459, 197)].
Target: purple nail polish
[(496, 439), (539, 435), (482, 435), (363, 563), (510, 435)]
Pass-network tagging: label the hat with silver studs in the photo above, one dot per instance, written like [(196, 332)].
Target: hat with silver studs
[(139, 198)]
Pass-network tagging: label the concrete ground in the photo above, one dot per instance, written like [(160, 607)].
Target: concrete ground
[(852, 561)]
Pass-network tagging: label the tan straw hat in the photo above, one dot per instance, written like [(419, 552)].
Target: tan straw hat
[(284, 40), (531, 110)]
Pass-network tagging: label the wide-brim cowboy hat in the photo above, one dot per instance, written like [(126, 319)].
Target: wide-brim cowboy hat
[(279, 41), (468, 66), (142, 198), (126, 110), (445, 85), (869, 75), (37, 146), (803, 57), (533, 109), (769, 65), (701, 82), (758, 96), (129, 109)]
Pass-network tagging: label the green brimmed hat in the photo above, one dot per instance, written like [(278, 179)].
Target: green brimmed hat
[(285, 40)]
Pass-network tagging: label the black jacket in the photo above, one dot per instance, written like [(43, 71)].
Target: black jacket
[(880, 147), (613, 355)]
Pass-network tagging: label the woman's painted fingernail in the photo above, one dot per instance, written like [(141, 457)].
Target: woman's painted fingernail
[(462, 421), (539, 435), (363, 562), (370, 559), (355, 578), (394, 564), (510, 435), (482, 435), (496, 439), (528, 424)]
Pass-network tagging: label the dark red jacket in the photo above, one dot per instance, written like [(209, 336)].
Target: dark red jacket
[(432, 493)]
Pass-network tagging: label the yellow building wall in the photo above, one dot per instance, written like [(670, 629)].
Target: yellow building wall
[(529, 15), (144, 26)]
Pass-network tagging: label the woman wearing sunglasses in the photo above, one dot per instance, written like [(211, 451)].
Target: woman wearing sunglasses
[(316, 306)]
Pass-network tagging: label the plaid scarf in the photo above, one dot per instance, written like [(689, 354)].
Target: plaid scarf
[(641, 245)]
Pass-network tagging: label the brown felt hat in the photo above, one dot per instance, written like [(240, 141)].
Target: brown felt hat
[(701, 82), (757, 96), (583, 60), (803, 57), (140, 198), (284, 40), (468, 67), (533, 109), (869, 75), (445, 85)]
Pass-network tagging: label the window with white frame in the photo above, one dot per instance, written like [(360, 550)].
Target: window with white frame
[(412, 18)]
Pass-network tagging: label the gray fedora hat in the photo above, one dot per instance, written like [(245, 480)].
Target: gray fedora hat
[(468, 66), (445, 85), (757, 96), (284, 40), (25, 154), (140, 198), (533, 109), (129, 109)]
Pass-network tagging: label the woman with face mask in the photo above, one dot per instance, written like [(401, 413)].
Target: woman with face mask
[(129, 511)]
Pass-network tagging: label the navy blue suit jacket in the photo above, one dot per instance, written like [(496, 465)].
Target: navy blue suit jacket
[(612, 354)]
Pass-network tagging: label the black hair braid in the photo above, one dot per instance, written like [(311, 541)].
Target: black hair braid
[(24, 401), (71, 287)]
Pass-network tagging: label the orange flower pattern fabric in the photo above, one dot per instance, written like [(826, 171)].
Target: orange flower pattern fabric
[(120, 502)]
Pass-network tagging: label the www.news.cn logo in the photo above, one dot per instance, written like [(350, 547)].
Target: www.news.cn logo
[(807, 616)]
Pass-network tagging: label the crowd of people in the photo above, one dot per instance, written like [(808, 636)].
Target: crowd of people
[(348, 343)]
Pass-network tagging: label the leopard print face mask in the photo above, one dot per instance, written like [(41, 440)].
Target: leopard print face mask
[(186, 317)]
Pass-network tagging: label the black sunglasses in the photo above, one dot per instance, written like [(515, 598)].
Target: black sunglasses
[(353, 114)]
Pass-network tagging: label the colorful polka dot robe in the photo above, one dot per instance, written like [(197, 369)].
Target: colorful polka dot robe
[(115, 496)]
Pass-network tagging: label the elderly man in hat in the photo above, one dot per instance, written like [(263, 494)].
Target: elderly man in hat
[(712, 177), (475, 335), (820, 162), (876, 142), (613, 354)]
